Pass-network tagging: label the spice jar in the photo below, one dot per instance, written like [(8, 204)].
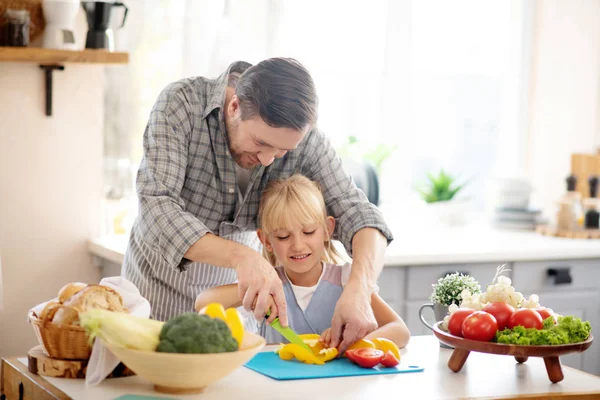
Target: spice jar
[(17, 27)]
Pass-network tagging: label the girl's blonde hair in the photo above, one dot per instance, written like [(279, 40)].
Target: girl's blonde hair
[(295, 199)]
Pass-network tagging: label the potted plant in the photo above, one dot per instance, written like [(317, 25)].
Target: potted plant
[(440, 194), (447, 291)]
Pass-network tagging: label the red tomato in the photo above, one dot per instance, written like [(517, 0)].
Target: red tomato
[(545, 313), (480, 326), (365, 357), (456, 320), (527, 318), (389, 360), (501, 311), (350, 355)]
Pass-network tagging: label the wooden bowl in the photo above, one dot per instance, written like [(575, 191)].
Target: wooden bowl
[(462, 348), (186, 373)]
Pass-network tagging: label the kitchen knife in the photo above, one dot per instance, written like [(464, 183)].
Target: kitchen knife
[(289, 334)]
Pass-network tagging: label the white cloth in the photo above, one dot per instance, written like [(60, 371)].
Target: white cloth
[(102, 361), (303, 294)]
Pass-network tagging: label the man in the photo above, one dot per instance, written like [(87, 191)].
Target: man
[(210, 147)]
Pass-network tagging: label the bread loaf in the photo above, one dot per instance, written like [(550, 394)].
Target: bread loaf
[(96, 296)]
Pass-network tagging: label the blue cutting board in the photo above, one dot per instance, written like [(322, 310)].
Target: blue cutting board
[(269, 364)]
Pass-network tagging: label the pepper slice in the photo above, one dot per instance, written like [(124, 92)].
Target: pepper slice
[(291, 350)]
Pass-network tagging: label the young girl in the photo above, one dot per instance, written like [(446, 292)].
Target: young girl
[(296, 231)]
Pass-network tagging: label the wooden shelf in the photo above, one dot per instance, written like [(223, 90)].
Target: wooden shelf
[(50, 56)]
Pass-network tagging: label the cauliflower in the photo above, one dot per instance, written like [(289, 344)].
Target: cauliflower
[(195, 333)]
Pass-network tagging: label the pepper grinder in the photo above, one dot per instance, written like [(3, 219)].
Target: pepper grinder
[(592, 214), (570, 212)]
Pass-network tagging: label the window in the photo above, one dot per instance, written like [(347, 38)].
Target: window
[(440, 82)]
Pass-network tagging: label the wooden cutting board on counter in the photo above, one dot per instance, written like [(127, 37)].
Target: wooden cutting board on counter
[(40, 364)]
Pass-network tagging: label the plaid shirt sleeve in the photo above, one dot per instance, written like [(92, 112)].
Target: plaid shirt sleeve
[(166, 228), (345, 202)]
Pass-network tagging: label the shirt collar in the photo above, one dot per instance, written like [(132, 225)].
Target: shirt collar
[(216, 94)]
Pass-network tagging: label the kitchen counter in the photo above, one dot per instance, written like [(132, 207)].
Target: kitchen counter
[(483, 376), (443, 245)]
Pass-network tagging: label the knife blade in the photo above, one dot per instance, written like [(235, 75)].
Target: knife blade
[(289, 334)]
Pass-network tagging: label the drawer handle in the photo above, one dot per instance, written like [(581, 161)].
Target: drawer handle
[(445, 274), (20, 390), (562, 276)]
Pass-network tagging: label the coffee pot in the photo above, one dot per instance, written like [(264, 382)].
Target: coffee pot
[(100, 35)]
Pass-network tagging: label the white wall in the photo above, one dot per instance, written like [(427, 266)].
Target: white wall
[(50, 189), (565, 92)]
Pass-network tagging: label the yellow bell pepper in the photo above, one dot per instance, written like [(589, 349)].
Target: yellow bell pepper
[(291, 350), (234, 322), (361, 344), (214, 310), (386, 345), (230, 316)]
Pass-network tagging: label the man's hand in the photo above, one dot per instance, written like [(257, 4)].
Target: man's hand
[(353, 317), (257, 282)]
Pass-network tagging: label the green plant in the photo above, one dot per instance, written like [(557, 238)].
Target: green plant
[(356, 150), (442, 187), (448, 289)]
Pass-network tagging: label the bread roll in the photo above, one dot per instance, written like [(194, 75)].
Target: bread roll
[(49, 310), (66, 315), (69, 290)]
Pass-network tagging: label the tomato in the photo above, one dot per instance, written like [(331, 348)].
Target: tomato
[(480, 326), (501, 311), (527, 318), (389, 360), (545, 313), (456, 320), (365, 357)]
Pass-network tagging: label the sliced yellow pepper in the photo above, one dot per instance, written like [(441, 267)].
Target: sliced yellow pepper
[(386, 345), (291, 350), (230, 316)]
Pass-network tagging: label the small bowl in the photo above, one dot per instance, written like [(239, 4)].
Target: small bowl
[(186, 373)]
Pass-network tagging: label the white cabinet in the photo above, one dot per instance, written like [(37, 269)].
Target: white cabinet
[(392, 283)]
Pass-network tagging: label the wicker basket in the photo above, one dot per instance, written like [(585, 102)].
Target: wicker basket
[(68, 342)]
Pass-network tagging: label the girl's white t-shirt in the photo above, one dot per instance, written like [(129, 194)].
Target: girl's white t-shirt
[(305, 293)]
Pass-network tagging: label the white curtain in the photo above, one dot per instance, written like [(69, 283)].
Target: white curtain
[(440, 83)]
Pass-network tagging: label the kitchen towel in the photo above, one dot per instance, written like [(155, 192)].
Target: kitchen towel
[(102, 361)]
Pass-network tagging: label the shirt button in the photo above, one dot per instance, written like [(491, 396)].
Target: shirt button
[(231, 190)]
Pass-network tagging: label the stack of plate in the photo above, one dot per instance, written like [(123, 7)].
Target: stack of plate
[(509, 204)]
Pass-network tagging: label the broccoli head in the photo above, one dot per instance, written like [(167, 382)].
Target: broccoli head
[(195, 333)]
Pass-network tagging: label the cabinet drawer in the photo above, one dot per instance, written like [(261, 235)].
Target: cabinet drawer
[(420, 278), (537, 276), (19, 383), (392, 282)]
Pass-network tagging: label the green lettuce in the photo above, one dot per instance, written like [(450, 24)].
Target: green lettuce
[(569, 329)]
